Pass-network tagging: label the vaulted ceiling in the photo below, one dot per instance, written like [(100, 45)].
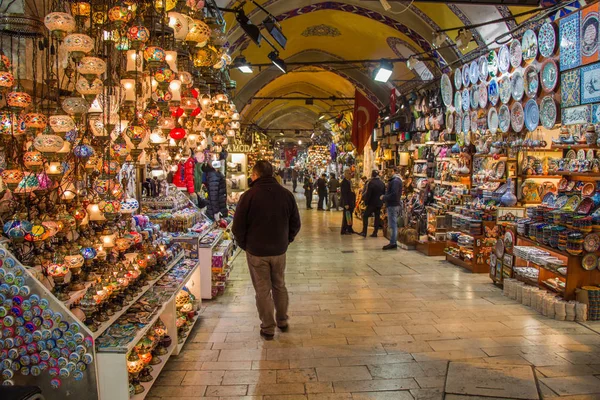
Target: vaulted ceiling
[(353, 30)]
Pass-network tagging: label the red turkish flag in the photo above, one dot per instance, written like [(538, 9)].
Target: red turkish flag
[(365, 117)]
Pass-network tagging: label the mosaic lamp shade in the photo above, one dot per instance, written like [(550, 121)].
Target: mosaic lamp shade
[(61, 123), (83, 151), (91, 67), (57, 270), (138, 35), (167, 5), (180, 24), (18, 99), (120, 15), (129, 206), (154, 56), (89, 90), (75, 105), (7, 80), (33, 160), (48, 144), (81, 9), (35, 121), (59, 24), (78, 44), (198, 33)]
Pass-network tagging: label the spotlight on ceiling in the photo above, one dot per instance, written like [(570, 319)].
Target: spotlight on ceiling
[(241, 64), (384, 71), (438, 39), (411, 63), (275, 30), (321, 117), (251, 30), (299, 141), (281, 133), (278, 62), (463, 39)]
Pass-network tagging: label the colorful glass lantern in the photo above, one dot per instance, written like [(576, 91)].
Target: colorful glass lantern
[(189, 104), (79, 214), (186, 79), (129, 206), (57, 270), (180, 24), (61, 123), (154, 56), (11, 177), (33, 160), (7, 80), (177, 133), (136, 133), (109, 206), (218, 139), (94, 212), (18, 99), (88, 253), (76, 106), (74, 261), (167, 5), (162, 97), (89, 90), (91, 67), (120, 15), (81, 9), (198, 33), (54, 169), (38, 233), (35, 121), (59, 24), (83, 151), (78, 44), (111, 167), (171, 59), (152, 114), (16, 229), (195, 4), (28, 184), (44, 181), (163, 76), (48, 144), (138, 35)]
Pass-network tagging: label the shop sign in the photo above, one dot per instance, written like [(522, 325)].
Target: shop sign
[(240, 147)]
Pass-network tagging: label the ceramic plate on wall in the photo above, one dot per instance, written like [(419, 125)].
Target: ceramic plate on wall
[(458, 101), (504, 118), (466, 100), (483, 95), (549, 76), (449, 121), (457, 79), (516, 54), (529, 45), (493, 94), (532, 115), (458, 123), (492, 60), (517, 117), (517, 85), (504, 89), (504, 59), (483, 68), (474, 72), (465, 75), (532, 81), (547, 40), (492, 120), (473, 121), (446, 89), (570, 52), (474, 94), (466, 122), (548, 112)]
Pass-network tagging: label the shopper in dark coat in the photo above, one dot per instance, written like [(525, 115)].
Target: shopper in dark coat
[(373, 202), (392, 199), (217, 192), (348, 200), (322, 191), (266, 221), (294, 179), (308, 191)]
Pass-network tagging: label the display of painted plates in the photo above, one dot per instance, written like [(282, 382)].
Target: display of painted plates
[(529, 45), (561, 201), (589, 261), (457, 79), (466, 122), (466, 100), (504, 59), (492, 120), (549, 76), (504, 118), (532, 81), (465, 75), (493, 94), (548, 112), (571, 204), (516, 54), (517, 117), (458, 100), (591, 243), (483, 68), (589, 155), (492, 61), (449, 121), (517, 85), (532, 115), (549, 199), (509, 240), (474, 95), (581, 155), (483, 95), (547, 40), (504, 89), (474, 121), (458, 123), (446, 88), (499, 248), (571, 154), (474, 72)]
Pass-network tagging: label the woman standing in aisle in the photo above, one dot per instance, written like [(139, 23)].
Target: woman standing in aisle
[(348, 203), (308, 191)]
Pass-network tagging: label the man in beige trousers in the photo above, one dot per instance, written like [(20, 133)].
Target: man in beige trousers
[(266, 221)]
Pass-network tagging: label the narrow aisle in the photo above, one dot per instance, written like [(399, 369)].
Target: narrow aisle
[(369, 324)]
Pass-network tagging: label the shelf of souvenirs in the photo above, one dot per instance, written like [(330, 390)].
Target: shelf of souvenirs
[(154, 373), (523, 176), (448, 183), (434, 143), (168, 293), (107, 324), (587, 175), (577, 146)]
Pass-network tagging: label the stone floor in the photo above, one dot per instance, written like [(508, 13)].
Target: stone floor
[(368, 324)]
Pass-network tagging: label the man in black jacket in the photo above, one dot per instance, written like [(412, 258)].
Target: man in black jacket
[(322, 192), (266, 221), (392, 199), (348, 200), (373, 202)]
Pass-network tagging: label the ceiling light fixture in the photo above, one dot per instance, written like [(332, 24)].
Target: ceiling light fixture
[(321, 117), (281, 133), (411, 63), (241, 64), (299, 141), (438, 39), (463, 39), (278, 62), (274, 29), (384, 71), (251, 30)]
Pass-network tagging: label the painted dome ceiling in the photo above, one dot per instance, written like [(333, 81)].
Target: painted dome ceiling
[(355, 30)]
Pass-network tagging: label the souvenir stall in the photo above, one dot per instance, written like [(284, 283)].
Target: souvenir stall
[(98, 290)]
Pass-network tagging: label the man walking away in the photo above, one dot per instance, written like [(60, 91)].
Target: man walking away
[(308, 190), (333, 186), (348, 200), (392, 203), (372, 199), (294, 179), (266, 222), (322, 192)]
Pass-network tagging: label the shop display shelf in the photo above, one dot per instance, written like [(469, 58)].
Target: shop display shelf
[(530, 242), (573, 146), (420, 175), (431, 247), (180, 345), (156, 370), (78, 295), (540, 176), (117, 315)]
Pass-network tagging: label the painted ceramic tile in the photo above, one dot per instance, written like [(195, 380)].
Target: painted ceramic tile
[(570, 88), (590, 84), (596, 114), (576, 115), (570, 52), (589, 34)]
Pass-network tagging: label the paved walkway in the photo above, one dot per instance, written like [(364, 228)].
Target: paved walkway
[(368, 324)]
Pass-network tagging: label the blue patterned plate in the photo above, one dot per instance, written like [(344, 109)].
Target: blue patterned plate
[(474, 96), (547, 40), (504, 118), (457, 79), (504, 59), (466, 101), (532, 81), (504, 89), (465, 75), (492, 60), (458, 122), (474, 72), (549, 76), (517, 85), (446, 89), (548, 112), (529, 45), (483, 68), (493, 94), (466, 122), (458, 100), (492, 120), (532, 115), (516, 54)]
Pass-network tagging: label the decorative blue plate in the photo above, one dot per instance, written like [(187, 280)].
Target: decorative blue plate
[(532, 115)]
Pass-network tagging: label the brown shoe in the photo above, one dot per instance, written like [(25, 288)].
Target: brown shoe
[(267, 336), (284, 328)]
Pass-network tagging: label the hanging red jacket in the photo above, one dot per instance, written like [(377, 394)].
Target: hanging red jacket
[(189, 166), (179, 176)]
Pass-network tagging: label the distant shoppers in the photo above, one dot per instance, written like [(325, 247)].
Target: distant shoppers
[(266, 221), (322, 192), (308, 190), (333, 185), (392, 202), (294, 179), (348, 200), (373, 203)]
